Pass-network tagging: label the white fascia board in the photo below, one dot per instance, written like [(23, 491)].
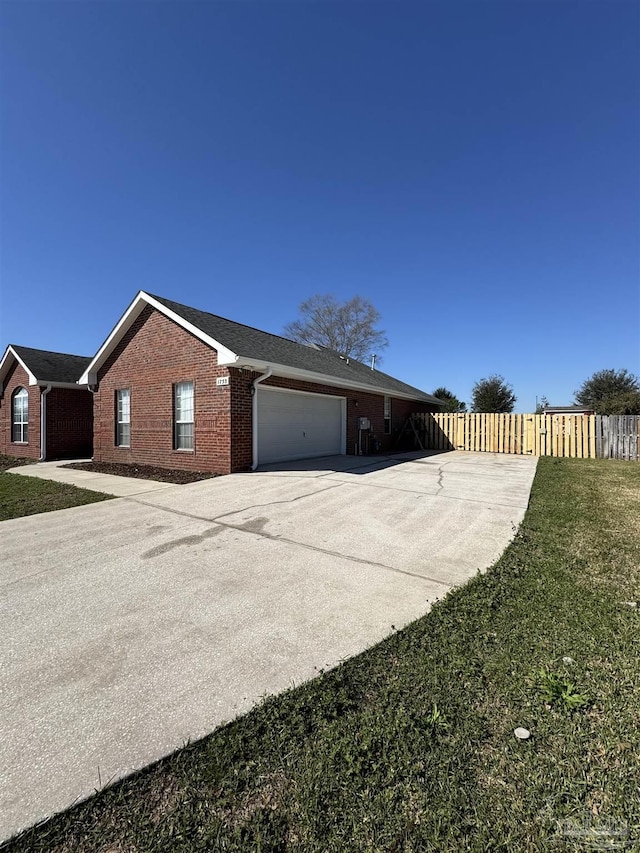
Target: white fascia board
[(73, 385), (90, 376), (320, 378), (225, 355), (4, 366)]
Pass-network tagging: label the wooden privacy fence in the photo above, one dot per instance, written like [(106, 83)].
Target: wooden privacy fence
[(618, 437), (581, 436)]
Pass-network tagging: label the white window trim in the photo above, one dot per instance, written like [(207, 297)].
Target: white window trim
[(387, 415), (119, 422), (177, 421), (24, 423)]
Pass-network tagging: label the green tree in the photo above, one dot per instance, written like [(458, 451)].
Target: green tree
[(610, 392), (347, 327), (542, 405), (451, 402), (620, 404), (493, 394)]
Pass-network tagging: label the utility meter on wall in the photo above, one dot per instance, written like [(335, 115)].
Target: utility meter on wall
[(364, 423)]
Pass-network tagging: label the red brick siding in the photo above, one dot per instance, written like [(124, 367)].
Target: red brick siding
[(69, 422), (18, 378), (69, 419), (154, 355), (241, 419), (359, 404)]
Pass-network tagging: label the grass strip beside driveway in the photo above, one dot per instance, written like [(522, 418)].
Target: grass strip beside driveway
[(410, 746), (20, 496)]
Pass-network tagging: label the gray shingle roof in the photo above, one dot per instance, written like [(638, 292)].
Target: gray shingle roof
[(251, 343), (567, 409), (52, 366)]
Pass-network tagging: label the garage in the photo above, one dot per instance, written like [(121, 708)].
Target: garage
[(298, 425)]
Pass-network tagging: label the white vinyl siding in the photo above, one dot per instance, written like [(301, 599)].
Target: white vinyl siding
[(123, 417), (20, 417), (183, 414), (293, 425)]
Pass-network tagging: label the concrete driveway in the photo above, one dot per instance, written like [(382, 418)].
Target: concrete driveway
[(129, 626)]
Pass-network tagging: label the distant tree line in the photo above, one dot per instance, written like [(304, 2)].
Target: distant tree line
[(606, 392)]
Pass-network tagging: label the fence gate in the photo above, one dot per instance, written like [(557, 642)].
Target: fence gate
[(617, 437)]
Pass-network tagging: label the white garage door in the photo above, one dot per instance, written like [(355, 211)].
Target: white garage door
[(292, 425)]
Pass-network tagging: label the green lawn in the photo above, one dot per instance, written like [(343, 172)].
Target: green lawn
[(410, 746), (21, 496)]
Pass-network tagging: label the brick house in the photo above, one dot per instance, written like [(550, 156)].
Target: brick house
[(181, 388), (44, 412)]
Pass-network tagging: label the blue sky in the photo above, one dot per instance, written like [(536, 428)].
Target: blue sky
[(472, 168)]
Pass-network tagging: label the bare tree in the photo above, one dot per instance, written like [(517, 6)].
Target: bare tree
[(347, 327)]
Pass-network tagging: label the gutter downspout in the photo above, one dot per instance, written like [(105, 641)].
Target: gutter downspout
[(93, 389), (254, 415), (43, 422)]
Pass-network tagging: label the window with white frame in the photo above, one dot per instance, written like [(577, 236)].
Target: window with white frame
[(183, 415), (20, 416), (123, 417), (387, 415)]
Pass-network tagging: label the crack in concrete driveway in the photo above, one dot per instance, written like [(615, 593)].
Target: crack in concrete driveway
[(131, 626), (255, 526)]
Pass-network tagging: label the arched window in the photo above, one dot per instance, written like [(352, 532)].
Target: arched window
[(20, 416)]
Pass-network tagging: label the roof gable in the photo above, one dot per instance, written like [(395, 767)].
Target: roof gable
[(43, 366), (244, 346), (90, 375)]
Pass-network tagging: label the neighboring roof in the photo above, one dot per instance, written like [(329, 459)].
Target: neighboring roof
[(243, 346), (578, 410), (45, 367)]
